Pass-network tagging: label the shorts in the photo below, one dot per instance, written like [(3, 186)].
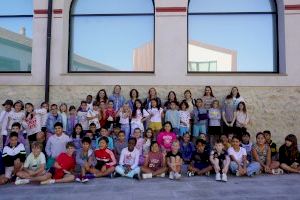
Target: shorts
[(155, 126), (57, 173), (99, 165), (201, 166), (197, 129)]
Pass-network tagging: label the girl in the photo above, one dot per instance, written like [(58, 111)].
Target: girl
[(185, 117), (77, 135), (214, 128), (148, 137), (117, 98), (172, 115), (72, 120), (188, 98), (102, 114), (208, 97), (137, 116), (43, 113), (155, 113), (82, 115), (63, 109), (16, 115), (200, 118), (134, 95), (174, 161), (236, 96), (239, 164), (105, 158), (110, 115), (289, 156), (166, 138), (242, 119), (120, 143), (93, 115), (139, 144), (101, 96), (261, 152), (152, 94), (155, 164), (228, 114), (125, 115), (225, 142), (171, 98)]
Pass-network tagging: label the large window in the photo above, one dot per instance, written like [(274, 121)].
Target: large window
[(233, 36), (111, 36), (16, 35)]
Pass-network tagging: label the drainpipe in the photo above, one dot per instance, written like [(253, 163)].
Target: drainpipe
[(48, 51)]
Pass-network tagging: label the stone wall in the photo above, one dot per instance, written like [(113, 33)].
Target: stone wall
[(273, 108)]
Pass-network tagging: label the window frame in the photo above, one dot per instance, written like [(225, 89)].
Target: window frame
[(276, 51), (70, 51)]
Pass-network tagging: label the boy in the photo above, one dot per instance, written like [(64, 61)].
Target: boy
[(120, 144), (82, 116), (93, 115), (274, 153), (13, 156), (173, 116), (56, 144), (220, 161), (16, 127), (129, 160), (89, 101), (63, 166), (53, 118), (85, 159), (34, 167), (94, 130), (200, 117), (104, 133), (200, 164), (4, 119), (246, 144), (174, 161)]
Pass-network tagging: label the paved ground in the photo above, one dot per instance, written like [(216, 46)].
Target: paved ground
[(279, 187)]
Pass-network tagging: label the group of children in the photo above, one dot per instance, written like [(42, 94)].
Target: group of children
[(112, 137)]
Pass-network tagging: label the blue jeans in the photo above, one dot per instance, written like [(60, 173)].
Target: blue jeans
[(252, 168), (183, 130), (120, 169), (197, 129), (126, 129)]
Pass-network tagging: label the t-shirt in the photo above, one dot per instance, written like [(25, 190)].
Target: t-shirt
[(207, 101), (15, 117), (82, 119), (129, 157), (214, 117), (187, 151), (200, 157), (165, 139), (171, 154), (155, 160), (66, 162), (285, 155), (94, 113), (237, 155), (229, 109), (221, 156), (156, 114), (185, 116), (105, 157), (34, 163), (273, 149)]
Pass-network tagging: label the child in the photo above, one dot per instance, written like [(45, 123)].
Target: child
[(63, 109), (72, 120), (105, 158), (166, 138), (174, 161), (274, 153), (13, 156), (200, 118), (3, 180), (186, 148), (129, 160), (189, 100), (220, 161), (214, 115), (90, 135), (43, 112), (93, 115), (120, 144), (53, 118), (94, 130), (155, 113), (82, 116), (102, 114), (239, 164), (289, 156), (208, 97), (225, 142), (104, 133), (110, 115), (56, 144), (125, 115), (16, 115), (89, 101), (247, 144), (63, 167), (137, 116), (228, 114), (85, 159), (173, 116), (16, 127), (34, 166), (148, 137), (242, 119), (261, 153), (155, 164), (4, 119), (77, 135), (139, 144), (171, 97), (185, 117), (200, 164)]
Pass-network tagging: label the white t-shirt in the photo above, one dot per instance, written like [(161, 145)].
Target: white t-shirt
[(185, 116), (82, 119), (34, 163), (237, 155), (156, 114), (94, 113), (124, 118), (15, 117)]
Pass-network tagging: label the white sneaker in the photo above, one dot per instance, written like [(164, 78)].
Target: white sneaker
[(163, 175), (189, 174), (171, 175), (21, 181), (177, 175), (218, 176), (224, 177), (78, 180), (47, 182), (84, 180), (148, 175)]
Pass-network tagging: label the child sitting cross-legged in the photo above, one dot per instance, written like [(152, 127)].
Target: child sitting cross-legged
[(174, 161), (34, 167)]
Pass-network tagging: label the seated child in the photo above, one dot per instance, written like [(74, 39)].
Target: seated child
[(77, 135), (64, 165), (85, 159), (34, 166), (239, 164), (148, 138), (200, 164), (94, 130), (225, 142), (129, 160), (155, 164), (120, 144), (186, 148), (220, 161), (274, 152), (137, 133), (13, 156), (3, 180), (174, 161), (247, 144), (16, 127), (104, 133), (289, 156), (105, 158), (166, 138)]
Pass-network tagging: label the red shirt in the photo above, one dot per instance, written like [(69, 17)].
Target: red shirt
[(66, 162), (106, 156)]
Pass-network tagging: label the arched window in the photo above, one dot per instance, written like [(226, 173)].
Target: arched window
[(111, 36), (232, 36), (16, 35)]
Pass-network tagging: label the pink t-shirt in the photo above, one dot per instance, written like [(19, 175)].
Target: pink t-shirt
[(165, 140)]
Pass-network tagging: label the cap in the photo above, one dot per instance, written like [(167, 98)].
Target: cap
[(8, 102)]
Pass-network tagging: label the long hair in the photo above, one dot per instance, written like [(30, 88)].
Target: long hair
[(27, 113), (131, 91), (211, 92), (135, 108), (98, 95), (294, 147), (74, 131), (238, 94), (175, 98), (244, 109)]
